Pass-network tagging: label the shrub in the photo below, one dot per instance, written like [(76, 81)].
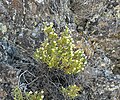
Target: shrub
[(58, 52), (71, 91), (35, 96), (18, 95)]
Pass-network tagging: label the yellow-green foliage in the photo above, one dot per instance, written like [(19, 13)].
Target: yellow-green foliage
[(17, 94), (71, 91), (29, 95), (58, 52), (35, 96)]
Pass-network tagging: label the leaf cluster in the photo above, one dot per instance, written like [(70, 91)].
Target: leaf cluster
[(71, 91), (35, 96), (58, 52), (18, 95)]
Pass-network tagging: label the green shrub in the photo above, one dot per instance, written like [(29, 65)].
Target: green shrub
[(71, 91), (18, 95), (58, 52), (35, 96)]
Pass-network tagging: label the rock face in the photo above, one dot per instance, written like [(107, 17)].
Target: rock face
[(102, 24), (95, 27)]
